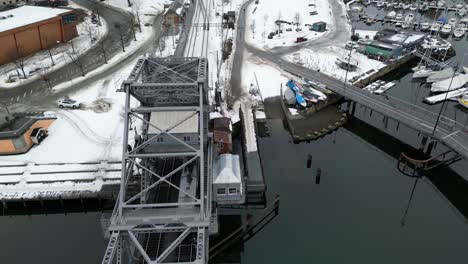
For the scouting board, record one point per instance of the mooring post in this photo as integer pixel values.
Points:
(423, 143)
(429, 148)
(277, 201)
(5, 206)
(309, 161)
(63, 205)
(354, 108)
(317, 177)
(398, 126)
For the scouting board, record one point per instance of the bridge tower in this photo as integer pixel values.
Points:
(163, 211)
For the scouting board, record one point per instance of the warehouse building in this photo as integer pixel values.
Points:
(28, 29)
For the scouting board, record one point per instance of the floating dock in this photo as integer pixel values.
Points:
(445, 96)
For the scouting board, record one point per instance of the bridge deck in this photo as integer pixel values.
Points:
(449, 132)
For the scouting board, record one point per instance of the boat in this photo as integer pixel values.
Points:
(450, 84)
(294, 87)
(384, 88)
(373, 86)
(409, 18)
(433, 3)
(405, 25)
(465, 69)
(380, 4)
(398, 24)
(463, 101)
(399, 16)
(422, 73)
(423, 8)
(461, 12)
(390, 15)
(446, 30)
(440, 75)
(463, 23)
(459, 6)
(389, 4)
(452, 21)
(458, 33)
(434, 99)
(440, 3)
(425, 27)
(435, 27)
(413, 7)
(401, 5)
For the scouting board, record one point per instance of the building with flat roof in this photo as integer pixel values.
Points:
(16, 134)
(28, 29)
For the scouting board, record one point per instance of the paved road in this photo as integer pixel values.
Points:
(42, 98)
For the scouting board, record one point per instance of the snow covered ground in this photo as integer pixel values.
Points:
(39, 63)
(261, 21)
(324, 60)
(146, 10)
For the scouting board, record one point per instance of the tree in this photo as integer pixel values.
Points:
(49, 47)
(75, 58)
(20, 60)
(252, 27)
(102, 46)
(137, 12)
(90, 30)
(297, 19)
(279, 18)
(119, 29)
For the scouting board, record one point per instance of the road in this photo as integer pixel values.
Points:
(37, 95)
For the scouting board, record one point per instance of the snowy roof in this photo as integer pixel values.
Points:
(176, 7)
(226, 169)
(402, 38)
(167, 120)
(26, 15)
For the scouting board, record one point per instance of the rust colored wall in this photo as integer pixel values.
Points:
(8, 48)
(50, 34)
(27, 41)
(6, 146)
(69, 31)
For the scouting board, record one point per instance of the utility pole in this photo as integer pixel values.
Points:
(445, 100)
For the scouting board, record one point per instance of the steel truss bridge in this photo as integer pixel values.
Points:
(167, 219)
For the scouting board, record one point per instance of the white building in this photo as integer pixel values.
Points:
(227, 180)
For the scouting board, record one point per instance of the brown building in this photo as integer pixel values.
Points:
(222, 134)
(20, 133)
(28, 29)
(174, 14)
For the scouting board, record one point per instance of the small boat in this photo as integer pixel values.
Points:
(423, 8)
(450, 84)
(399, 24)
(380, 4)
(461, 12)
(435, 27)
(390, 15)
(399, 16)
(446, 30)
(389, 4)
(422, 73)
(405, 25)
(413, 7)
(463, 23)
(459, 6)
(370, 20)
(463, 101)
(297, 93)
(409, 18)
(406, 6)
(401, 5)
(384, 88)
(453, 21)
(458, 32)
(433, 3)
(425, 27)
(440, 3)
(437, 76)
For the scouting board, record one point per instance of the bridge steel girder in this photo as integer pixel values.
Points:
(138, 216)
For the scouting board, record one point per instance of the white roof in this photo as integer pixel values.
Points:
(406, 38)
(167, 120)
(26, 15)
(226, 169)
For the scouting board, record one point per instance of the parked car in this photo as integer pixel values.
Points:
(301, 39)
(69, 103)
(271, 35)
(313, 13)
(351, 45)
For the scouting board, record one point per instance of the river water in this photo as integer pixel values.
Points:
(355, 215)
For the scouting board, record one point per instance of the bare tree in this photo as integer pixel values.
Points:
(278, 19)
(252, 27)
(49, 47)
(20, 60)
(137, 12)
(90, 30)
(297, 19)
(119, 28)
(102, 46)
(75, 58)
